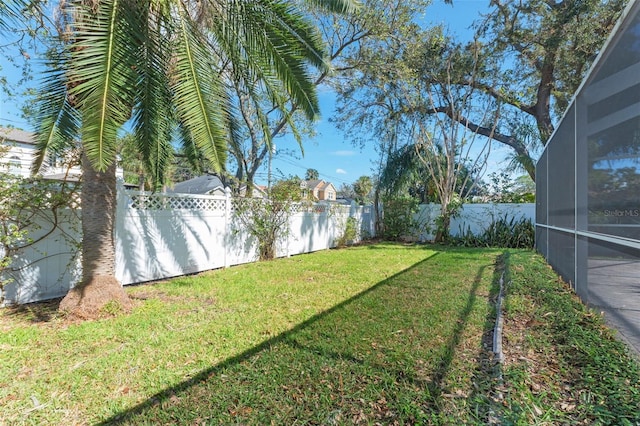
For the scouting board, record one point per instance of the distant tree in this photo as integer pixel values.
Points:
(502, 188)
(311, 174)
(346, 191)
(530, 57)
(362, 187)
(132, 162)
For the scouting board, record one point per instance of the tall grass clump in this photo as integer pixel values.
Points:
(503, 232)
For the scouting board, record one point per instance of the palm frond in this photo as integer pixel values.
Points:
(57, 121)
(102, 75)
(190, 151)
(290, 44)
(399, 169)
(12, 11)
(196, 89)
(337, 6)
(277, 44)
(153, 116)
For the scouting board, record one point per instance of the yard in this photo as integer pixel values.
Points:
(385, 333)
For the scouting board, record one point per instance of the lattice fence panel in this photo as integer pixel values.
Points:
(164, 202)
(310, 208)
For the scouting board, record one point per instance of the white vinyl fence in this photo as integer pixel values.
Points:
(472, 217)
(166, 235)
(160, 236)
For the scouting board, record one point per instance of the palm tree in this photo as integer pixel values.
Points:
(362, 187)
(159, 65)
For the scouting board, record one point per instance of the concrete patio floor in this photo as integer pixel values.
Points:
(614, 289)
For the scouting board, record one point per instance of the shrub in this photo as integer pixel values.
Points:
(29, 206)
(349, 233)
(398, 218)
(503, 232)
(268, 220)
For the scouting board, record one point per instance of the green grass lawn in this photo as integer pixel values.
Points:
(386, 333)
(564, 366)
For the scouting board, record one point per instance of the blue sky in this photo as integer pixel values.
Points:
(329, 151)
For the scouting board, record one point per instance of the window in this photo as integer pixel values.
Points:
(15, 165)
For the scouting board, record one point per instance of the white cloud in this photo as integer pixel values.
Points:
(343, 153)
(341, 171)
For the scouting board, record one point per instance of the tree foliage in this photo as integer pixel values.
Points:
(537, 54)
(410, 90)
(160, 65)
(362, 188)
(312, 174)
(528, 59)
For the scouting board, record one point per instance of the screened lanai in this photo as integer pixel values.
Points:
(588, 184)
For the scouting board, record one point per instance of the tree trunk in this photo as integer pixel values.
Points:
(99, 292)
(442, 232)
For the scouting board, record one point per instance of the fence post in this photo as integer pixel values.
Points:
(227, 224)
(123, 202)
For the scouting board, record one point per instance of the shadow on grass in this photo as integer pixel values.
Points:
(385, 354)
(485, 396)
(37, 312)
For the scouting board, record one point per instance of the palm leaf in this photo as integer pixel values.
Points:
(153, 112)
(102, 75)
(275, 43)
(337, 6)
(288, 43)
(11, 11)
(196, 90)
(57, 121)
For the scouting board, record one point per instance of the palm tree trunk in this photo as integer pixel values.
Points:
(99, 285)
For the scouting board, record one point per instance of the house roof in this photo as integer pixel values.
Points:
(16, 135)
(199, 185)
(329, 184)
(318, 184)
(313, 184)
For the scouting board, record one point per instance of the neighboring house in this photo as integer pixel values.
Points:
(18, 158)
(208, 184)
(346, 201)
(318, 190)
(259, 191)
(211, 184)
(21, 154)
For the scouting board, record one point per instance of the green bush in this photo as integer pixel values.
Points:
(398, 216)
(349, 234)
(503, 232)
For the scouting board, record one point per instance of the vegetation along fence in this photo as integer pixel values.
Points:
(160, 236)
(166, 235)
(472, 218)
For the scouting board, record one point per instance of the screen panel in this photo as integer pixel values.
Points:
(562, 254)
(561, 173)
(541, 189)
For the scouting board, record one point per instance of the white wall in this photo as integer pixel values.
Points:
(473, 217)
(46, 269)
(163, 236)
